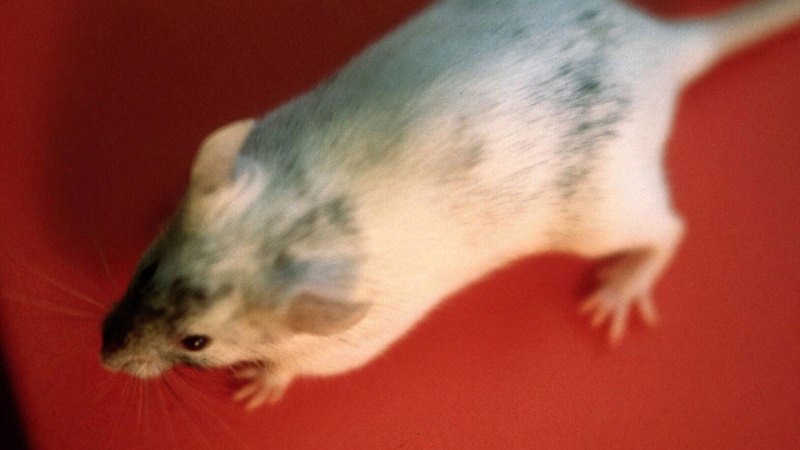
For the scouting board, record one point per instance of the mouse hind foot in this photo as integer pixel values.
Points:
(627, 282)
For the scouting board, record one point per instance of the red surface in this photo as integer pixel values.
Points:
(103, 105)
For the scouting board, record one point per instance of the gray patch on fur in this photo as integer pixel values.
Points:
(315, 251)
(588, 15)
(332, 217)
(591, 104)
(151, 307)
(461, 156)
(360, 117)
(270, 143)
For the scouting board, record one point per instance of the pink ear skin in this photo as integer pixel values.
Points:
(314, 314)
(213, 166)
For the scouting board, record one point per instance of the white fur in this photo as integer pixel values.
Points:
(425, 240)
(430, 223)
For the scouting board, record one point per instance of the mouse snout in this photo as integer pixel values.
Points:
(116, 328)
(111, 344)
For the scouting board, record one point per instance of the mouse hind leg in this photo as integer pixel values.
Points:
(628, 280)
(634, 222)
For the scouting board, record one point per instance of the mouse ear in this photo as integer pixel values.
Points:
(213, 167)
(314, 314)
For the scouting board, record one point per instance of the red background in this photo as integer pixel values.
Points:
(103, 106)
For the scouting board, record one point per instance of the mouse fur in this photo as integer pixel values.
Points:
(479, 132)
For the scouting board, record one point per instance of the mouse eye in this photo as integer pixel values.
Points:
(195, 342)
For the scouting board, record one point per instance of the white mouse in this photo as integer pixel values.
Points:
(479, 132)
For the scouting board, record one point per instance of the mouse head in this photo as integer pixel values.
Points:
(244, 268)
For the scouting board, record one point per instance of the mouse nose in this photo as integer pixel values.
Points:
(115, 333)
(111, 346)
(113, 341)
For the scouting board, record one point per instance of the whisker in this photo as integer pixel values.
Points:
(167, 415)
(148, 422)
(123, 400)
(104, 390)
(48, 307)
(180, 398)
(102, 254)
(211, 413)
(140, 388)
(98, 403)
(62, 286)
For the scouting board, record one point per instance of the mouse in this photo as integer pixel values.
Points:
(311, 239)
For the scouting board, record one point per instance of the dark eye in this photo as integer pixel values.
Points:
(195, 343)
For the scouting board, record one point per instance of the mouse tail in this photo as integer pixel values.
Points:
(711, 39)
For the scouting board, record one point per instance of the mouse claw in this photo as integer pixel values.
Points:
(265, 394)
(246, 391)
(647, 310)
(264, 385)
(247, 373)
(619, 323)
(626, 283)
(610, 306)
(597, 307)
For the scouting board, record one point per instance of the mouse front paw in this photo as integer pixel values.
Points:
(262, 383)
